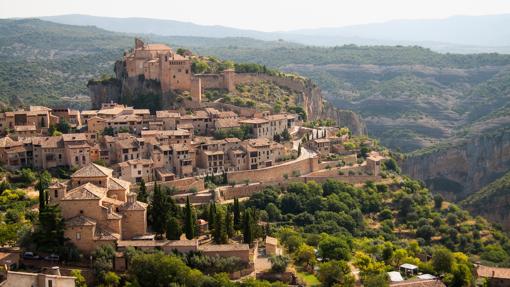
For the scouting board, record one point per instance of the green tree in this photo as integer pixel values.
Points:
(49, 233)
(80, 280)
(173, 230)
(248, 231)
(279, 263)
(220, 233)
(189, 224)
(462, 276)
(163, 270)
(212, 215)
(438, 201)
(111, 279)
(376, 280)
(237, 214)
(43, 182)
(305, 257)
(335, 273)
(334, 248)
(442, 260)
(229, 223)
(299, 150)
(159, 210)
(142, 192)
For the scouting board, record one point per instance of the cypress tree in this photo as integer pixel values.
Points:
(247, 227)
(237, 214)
(220, 233)
(189, 225)
(43, 182)
(173, 230)
(142, 193)
(299, 149)
(212, 214)
(229, 223)
(159, 210)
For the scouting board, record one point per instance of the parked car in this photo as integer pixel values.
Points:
(52, 257)
(31, 256)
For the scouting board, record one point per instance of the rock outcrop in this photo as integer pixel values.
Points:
(459, 170)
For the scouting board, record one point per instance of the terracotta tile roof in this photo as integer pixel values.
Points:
(227, 114)
(93, 170)
(80, 220)
(226, 123)
(254, 121)
(493, 272)
(155, 47)
(8, 142)
(277, 117)
(105, 235)
(232, 140)
(128, 143)
(74, 137)
(126, 118)
(52, 142)
(167, 114)
(118, 184)
(108, 201)
(135, 205)
(86, 191)
(88, 112)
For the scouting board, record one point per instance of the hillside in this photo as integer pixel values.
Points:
(497, 196)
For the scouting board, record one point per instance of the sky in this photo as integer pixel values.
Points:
(263, 15)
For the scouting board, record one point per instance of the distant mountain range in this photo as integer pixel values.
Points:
(458, 34)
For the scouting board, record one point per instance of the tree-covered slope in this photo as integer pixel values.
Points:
(492, 202)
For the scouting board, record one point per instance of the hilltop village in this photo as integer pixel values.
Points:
(231, 190)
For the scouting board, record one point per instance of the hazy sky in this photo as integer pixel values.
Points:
(266, 15)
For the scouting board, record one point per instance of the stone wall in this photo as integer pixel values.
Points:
(277, 172)
(183, 185)
(352, 179)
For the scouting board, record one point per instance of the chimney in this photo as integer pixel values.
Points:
(131, 197)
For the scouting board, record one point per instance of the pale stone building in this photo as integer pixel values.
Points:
(98, 208)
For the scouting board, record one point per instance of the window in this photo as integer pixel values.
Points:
(78, 235)
(50, 283)
(56, 193)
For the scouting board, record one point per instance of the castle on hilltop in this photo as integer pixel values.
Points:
(159, 62)
(174, 71)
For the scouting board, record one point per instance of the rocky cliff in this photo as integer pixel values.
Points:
(459, 169)
(497, 196)
(134, 91)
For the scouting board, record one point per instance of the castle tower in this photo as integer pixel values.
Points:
(196, 90)
(229, 79)
(139, 43)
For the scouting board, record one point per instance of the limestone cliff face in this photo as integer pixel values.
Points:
(318, 108)
(136, 91)
(462, 169)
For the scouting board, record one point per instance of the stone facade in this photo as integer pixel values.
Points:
(98, 209)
